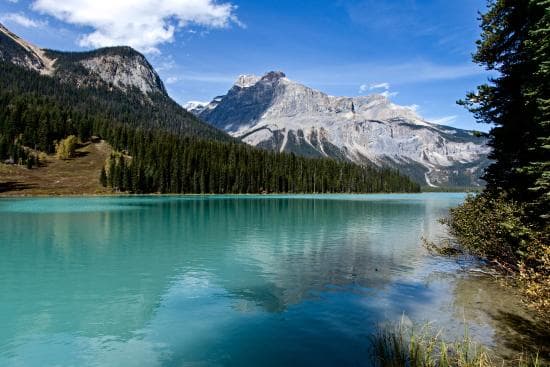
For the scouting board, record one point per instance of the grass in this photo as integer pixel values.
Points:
(74, 176)
(403, 346)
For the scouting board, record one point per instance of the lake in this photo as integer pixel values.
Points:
(228, 280)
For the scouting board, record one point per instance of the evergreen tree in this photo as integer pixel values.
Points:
(30, 161)
(538, 94)
(515, 43)
(103, 177)
(508, 224)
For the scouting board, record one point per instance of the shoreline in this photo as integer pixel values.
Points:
(195, 195)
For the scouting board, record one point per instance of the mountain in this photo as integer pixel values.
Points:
(195, 106)
(117, 81)
(276, 113)
(113, 67)
(19, 52)
(50, 98)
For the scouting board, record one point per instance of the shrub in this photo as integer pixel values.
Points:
(497, 229)
(66, 148)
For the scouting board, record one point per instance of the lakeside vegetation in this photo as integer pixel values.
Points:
(508, 224)
(399, 345)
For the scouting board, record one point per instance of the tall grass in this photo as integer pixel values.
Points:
(403, 346)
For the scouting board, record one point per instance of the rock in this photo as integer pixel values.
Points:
(274, 112)
(116, 67)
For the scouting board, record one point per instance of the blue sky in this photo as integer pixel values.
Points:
(416, 52)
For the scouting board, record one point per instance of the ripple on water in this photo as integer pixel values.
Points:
(227, 280)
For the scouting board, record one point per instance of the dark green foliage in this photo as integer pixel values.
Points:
(491, 228)
(133, 108)
(166, 163)
(515, 42)
(495, 228)
(164, 149)
(103, 177)
(30, 162)
(538, 94)
(509, 223)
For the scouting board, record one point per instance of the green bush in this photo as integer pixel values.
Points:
(498, 230)
(489, 228)
(66, 148)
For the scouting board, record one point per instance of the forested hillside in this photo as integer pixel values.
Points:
(162, 147)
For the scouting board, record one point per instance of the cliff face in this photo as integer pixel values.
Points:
(115, 79)
(19, 52)
(116, 67)
(276, 113)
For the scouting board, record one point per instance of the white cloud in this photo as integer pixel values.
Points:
(413, 107)
(172, 80)
(389, 94)
(444, 120)
(142, 24)
(13, 1)
(363, 88)
(418, 71)
(22, 20)
(385, 86)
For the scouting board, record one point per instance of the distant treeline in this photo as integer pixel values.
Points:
(162, 162)
(36, 111)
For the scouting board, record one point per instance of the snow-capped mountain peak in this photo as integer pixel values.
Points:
(195, 105)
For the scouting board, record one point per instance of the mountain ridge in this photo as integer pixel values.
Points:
(276, 113)
(157, 145)
(20, 52)
(119, 81)
(118, 67)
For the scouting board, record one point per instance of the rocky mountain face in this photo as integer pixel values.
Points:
(19, 52)
(276, 113)
(115, 67)
(117, 82)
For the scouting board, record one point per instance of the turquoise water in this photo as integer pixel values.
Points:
(217, 280)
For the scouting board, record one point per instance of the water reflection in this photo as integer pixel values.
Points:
(493, 306)
(214, 280)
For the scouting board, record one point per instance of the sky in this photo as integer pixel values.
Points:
(416, 52)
